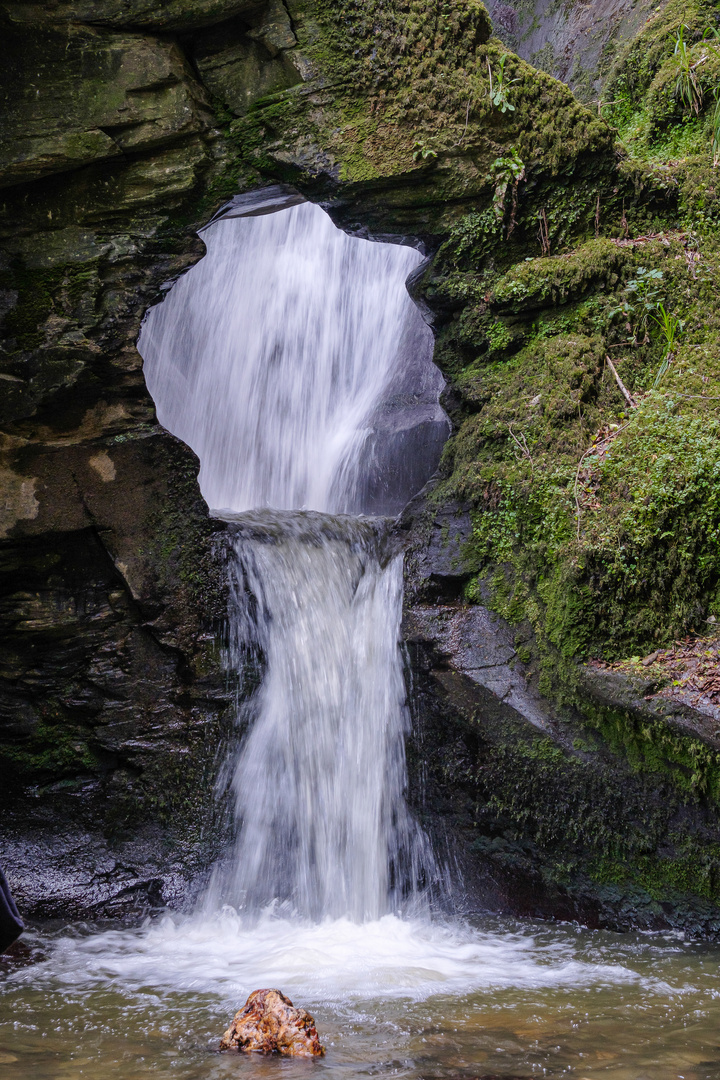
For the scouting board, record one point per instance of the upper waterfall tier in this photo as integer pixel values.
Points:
(292, 360)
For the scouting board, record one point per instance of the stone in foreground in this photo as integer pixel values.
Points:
(268, 1023)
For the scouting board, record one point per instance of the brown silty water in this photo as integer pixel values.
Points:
(392, 998)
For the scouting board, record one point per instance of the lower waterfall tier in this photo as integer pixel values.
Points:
(319, 778)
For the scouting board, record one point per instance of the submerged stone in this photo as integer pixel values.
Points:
(268, 1023)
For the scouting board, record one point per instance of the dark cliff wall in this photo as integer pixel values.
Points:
(570, 39)
(126, 126)
(114, 702)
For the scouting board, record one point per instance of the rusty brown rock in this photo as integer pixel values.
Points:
(268, 1023)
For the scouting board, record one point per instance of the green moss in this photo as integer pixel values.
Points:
(642, 58)
(604, 519)
(57, 750)
(544, 282)
(42, 293)
(35, 289)
(643, 96)
(417, 74)
(651, 745)
(592, 824)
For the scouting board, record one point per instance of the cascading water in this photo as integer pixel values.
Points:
(319, 781)
(274, 358)
(282, 358)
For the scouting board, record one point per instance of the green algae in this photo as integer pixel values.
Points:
(627, 809)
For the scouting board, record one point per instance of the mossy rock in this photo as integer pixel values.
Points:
(673, 97)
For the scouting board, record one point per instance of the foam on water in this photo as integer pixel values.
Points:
(333, 960)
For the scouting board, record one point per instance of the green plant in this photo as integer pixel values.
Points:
(687, 88)
(421, 152)
(498, 336)
(503, 172)
(642, 299)
(476, 230)
(499, 86)
(670, 328)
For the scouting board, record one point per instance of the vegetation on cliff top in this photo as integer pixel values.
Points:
(585, 354)
(420, 91)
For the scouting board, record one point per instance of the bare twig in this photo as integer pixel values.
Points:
(544, 234)
(626, 393)
(578, 508)
(522, 446)
(663, 237)
(467, 121)
(598, 448)
(513, 210)
(597, 218)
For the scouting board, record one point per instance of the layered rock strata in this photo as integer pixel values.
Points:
(127, 126)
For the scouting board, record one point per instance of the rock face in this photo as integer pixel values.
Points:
(574, 41)
(268, 1023)
(114, 704)
(603, 811)
(127, 124)
(553, 552)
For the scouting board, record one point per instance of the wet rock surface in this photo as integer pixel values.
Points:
(574, 41)
(113, 701)
(601, 810)
(113, 696)
(481, 647)
(269, 1023)
(126, 128)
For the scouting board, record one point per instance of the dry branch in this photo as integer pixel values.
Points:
(626, 393)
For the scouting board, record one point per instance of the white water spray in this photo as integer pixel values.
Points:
(273, 357)
(320, 781)
(284, 359)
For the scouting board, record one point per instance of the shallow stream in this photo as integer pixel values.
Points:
(390, 998)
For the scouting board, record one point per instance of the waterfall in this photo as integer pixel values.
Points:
(294, 363)
(320, 779)
(282, 358)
